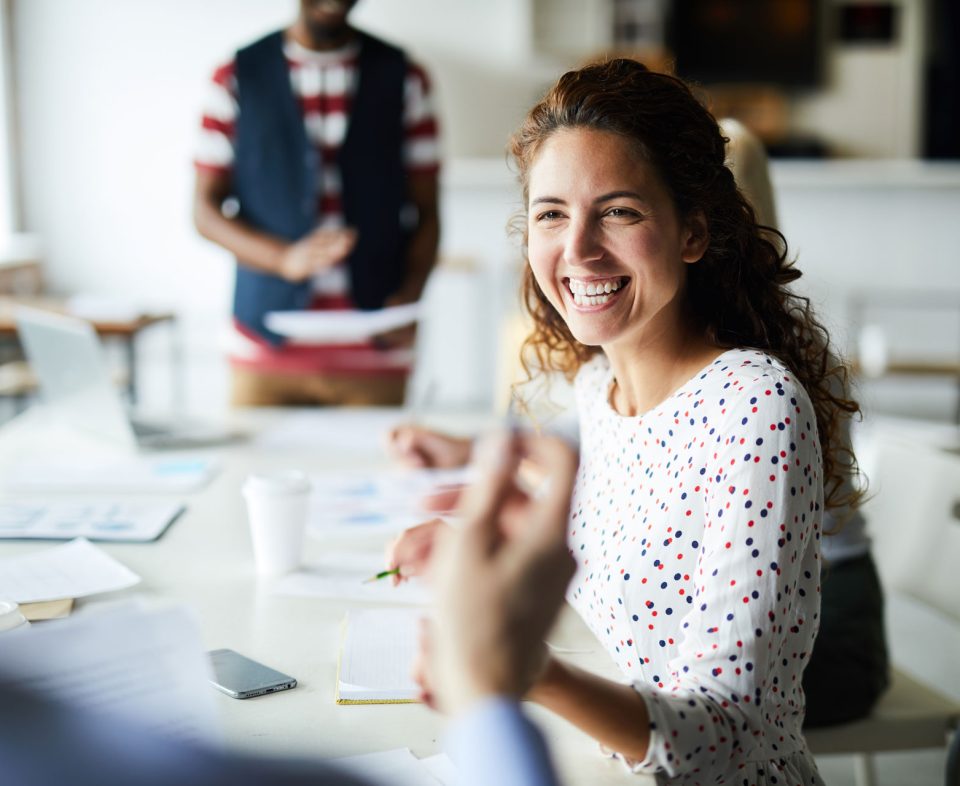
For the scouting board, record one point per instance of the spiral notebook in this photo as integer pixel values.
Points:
(377, 652)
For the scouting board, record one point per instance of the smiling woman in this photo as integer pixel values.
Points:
(710, 436)
(601, 219)
(711, 414)
(647, 187)
(708, 429)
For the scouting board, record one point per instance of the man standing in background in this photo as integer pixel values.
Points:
(317, 168)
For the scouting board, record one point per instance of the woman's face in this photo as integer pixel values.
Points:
(605, 242)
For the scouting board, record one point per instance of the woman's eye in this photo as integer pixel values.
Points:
(549, 215)
(622, 212)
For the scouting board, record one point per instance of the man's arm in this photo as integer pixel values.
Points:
(494, 742)
(264, 252)
(422, 253)
(257, 249)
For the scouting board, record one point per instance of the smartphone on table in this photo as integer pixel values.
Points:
(242, 677)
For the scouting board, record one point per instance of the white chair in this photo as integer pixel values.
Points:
(912, 513)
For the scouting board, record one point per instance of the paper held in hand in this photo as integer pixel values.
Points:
(340, 327)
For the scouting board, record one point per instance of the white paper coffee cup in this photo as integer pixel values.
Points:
(11, 617)
(277, 510)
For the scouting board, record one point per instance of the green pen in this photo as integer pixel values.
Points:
(382, 575)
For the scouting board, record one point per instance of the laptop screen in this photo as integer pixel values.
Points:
(66, 355)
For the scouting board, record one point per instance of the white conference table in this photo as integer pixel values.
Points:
(204, 560)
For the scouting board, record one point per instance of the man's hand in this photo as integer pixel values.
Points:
(499, 581)
(401, 337)
(320, 250)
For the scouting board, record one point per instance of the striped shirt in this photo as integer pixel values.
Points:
(323, 84)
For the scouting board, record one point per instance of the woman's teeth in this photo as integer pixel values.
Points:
(592, 293)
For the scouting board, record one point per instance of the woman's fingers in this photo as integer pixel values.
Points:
(410, 552)
(443, 499)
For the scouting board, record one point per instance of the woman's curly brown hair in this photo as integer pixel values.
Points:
(739, 290)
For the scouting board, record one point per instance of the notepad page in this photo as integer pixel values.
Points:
(379, 648)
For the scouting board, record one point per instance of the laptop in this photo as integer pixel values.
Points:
(67, 358)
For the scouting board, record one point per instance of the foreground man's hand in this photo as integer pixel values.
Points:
(500, 580)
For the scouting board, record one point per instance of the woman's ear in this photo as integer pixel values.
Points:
(696, 237)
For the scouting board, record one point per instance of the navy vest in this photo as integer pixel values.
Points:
(276, 176)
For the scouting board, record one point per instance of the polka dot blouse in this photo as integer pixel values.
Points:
(696, 529)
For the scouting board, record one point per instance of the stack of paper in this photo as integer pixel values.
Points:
(377, 656)
(73, 570)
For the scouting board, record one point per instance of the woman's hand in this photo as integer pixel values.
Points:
(414, 446)
(410, 552)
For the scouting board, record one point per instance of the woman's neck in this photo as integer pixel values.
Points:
(646, 374)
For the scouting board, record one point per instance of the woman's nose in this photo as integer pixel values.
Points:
(582, 243)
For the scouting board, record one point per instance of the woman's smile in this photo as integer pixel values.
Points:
(594, 293)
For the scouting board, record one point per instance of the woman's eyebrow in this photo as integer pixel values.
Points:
(551, 200)
(620, 195)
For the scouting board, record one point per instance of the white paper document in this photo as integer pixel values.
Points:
(93, 519)
(98, 473)
(353, 431)
(145, 665)
(385, 501)
(377, 656)
(72, 570)
(442, 768)
(343, 576)
(397, 767)
(340, 327)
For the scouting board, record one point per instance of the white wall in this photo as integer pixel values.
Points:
(109, 98)
(109, 101)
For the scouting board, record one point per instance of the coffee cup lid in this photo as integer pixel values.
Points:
(279, 482)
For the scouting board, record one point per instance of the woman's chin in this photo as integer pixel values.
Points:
(588, 337)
